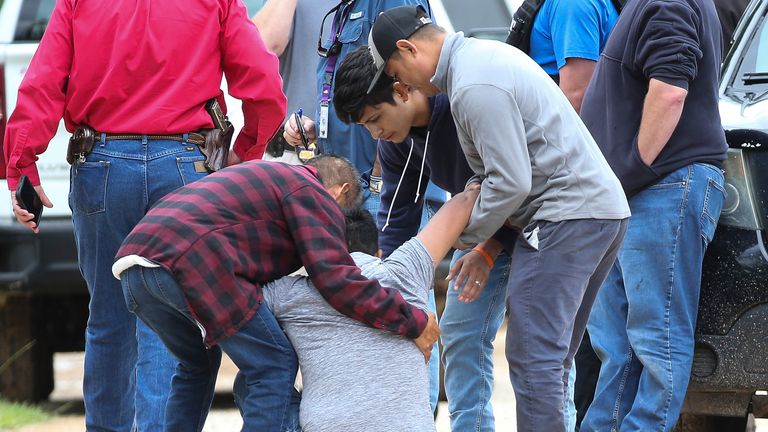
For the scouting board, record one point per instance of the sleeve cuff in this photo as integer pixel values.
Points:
(419, 323)
(15, 174)
(507, 237)
(674, 81)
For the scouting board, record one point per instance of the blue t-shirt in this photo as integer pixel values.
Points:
(570, 28)
(353, 141)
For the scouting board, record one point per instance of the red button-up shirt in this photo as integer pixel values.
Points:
(143, 67)
(224, 236)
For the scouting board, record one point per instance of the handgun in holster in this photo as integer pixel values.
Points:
(218, 139)
(80, 144)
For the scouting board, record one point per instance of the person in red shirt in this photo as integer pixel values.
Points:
(197, 263)
(144, 69)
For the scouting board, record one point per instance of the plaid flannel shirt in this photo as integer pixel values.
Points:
(226, 235)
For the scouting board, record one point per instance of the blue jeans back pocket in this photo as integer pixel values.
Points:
(191, 168)
(89, 187)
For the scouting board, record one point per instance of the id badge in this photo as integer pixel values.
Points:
(323, 121)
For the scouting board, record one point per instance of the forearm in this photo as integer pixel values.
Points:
(496, 204)
(492, 247)
(661, 113)
(274, 21)
(447, 224)
(317, 228)
(574, 78)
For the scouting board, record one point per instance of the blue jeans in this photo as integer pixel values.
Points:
(371, 203)
(265, 358)
(127, 369)
(468, 331)
(643, 321)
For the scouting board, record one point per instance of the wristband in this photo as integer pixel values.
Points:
(485, 255)
(375, 184)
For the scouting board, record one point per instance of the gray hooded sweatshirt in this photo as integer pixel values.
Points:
(523, 139)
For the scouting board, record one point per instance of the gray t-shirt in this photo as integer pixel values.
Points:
(298, 62)
(358, 378)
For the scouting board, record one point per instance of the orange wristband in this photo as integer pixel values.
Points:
(485, 255)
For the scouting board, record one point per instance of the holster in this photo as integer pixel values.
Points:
(276, 146)
(80, 144)
(216, 147)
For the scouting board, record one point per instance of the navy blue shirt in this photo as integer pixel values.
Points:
(675, 41)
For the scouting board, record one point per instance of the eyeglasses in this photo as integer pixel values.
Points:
(340, 11)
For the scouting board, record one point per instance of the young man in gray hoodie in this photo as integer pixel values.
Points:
(541, 172)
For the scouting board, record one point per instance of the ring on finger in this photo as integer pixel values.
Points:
(477, 281)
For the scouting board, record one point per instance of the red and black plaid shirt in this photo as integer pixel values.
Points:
(226, 235)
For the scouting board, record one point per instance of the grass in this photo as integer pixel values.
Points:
(13, 415)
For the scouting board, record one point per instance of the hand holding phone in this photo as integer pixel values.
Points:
(28, 199)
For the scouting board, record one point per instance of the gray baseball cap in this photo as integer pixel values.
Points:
(390, 26)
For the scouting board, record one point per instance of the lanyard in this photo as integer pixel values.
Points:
(332, 54)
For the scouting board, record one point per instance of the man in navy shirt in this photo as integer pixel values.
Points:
(652, 108)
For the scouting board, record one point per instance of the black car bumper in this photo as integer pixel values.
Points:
(40, 263)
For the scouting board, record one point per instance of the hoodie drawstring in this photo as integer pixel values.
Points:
(397, 189)
(421, 171)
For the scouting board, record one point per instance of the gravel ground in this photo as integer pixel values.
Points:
(67, 396)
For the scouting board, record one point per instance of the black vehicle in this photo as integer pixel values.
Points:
(730, 367)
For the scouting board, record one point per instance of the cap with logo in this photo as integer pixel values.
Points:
(390, 26)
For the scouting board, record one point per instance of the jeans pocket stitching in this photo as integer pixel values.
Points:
(186, 161)
(102, 180)
(672, 185)
(707, 221)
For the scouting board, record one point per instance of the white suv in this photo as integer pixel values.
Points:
(43, 298)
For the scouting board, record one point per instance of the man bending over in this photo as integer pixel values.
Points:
(358, 378)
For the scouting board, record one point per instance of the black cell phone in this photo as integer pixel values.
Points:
(28, 199)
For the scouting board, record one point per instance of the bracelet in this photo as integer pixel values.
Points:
(485, 255)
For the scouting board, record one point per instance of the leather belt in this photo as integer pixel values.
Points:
(193, 137)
